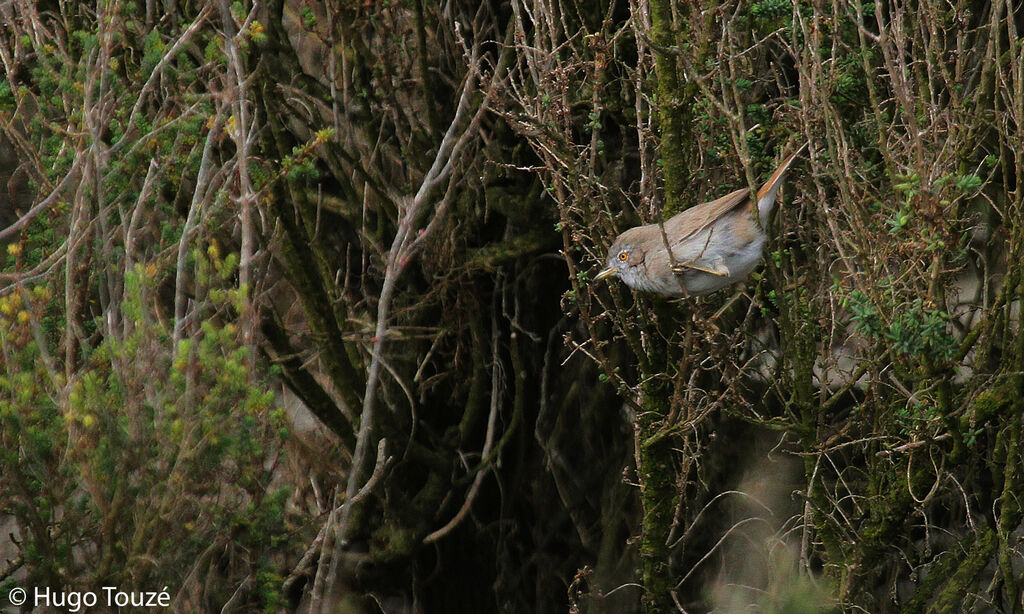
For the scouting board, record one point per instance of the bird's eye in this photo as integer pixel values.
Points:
(623, 256)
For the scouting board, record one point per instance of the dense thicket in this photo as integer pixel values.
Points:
(296, 308)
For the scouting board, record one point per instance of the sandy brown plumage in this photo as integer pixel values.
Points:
(701, 250)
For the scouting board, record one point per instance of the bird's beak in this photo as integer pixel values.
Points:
(605, 273)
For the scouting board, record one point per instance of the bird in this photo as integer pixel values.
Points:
(703, 249)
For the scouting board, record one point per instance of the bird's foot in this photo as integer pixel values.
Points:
(715, 267)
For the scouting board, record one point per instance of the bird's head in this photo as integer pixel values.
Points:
(626, 259)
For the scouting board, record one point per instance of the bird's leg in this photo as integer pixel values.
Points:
(717, 267)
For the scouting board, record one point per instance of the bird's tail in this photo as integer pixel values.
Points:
(766, 195)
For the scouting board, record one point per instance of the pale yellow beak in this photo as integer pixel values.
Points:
(605, 273)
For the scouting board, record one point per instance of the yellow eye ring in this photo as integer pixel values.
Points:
(623, 256)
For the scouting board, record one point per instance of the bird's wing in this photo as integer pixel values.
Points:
(684, 224)
(694, 219)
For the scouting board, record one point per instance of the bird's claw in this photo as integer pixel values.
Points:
(717, 269)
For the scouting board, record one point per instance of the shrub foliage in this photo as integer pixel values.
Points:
(224, 218)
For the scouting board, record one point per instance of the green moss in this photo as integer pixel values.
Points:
(657, 498)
